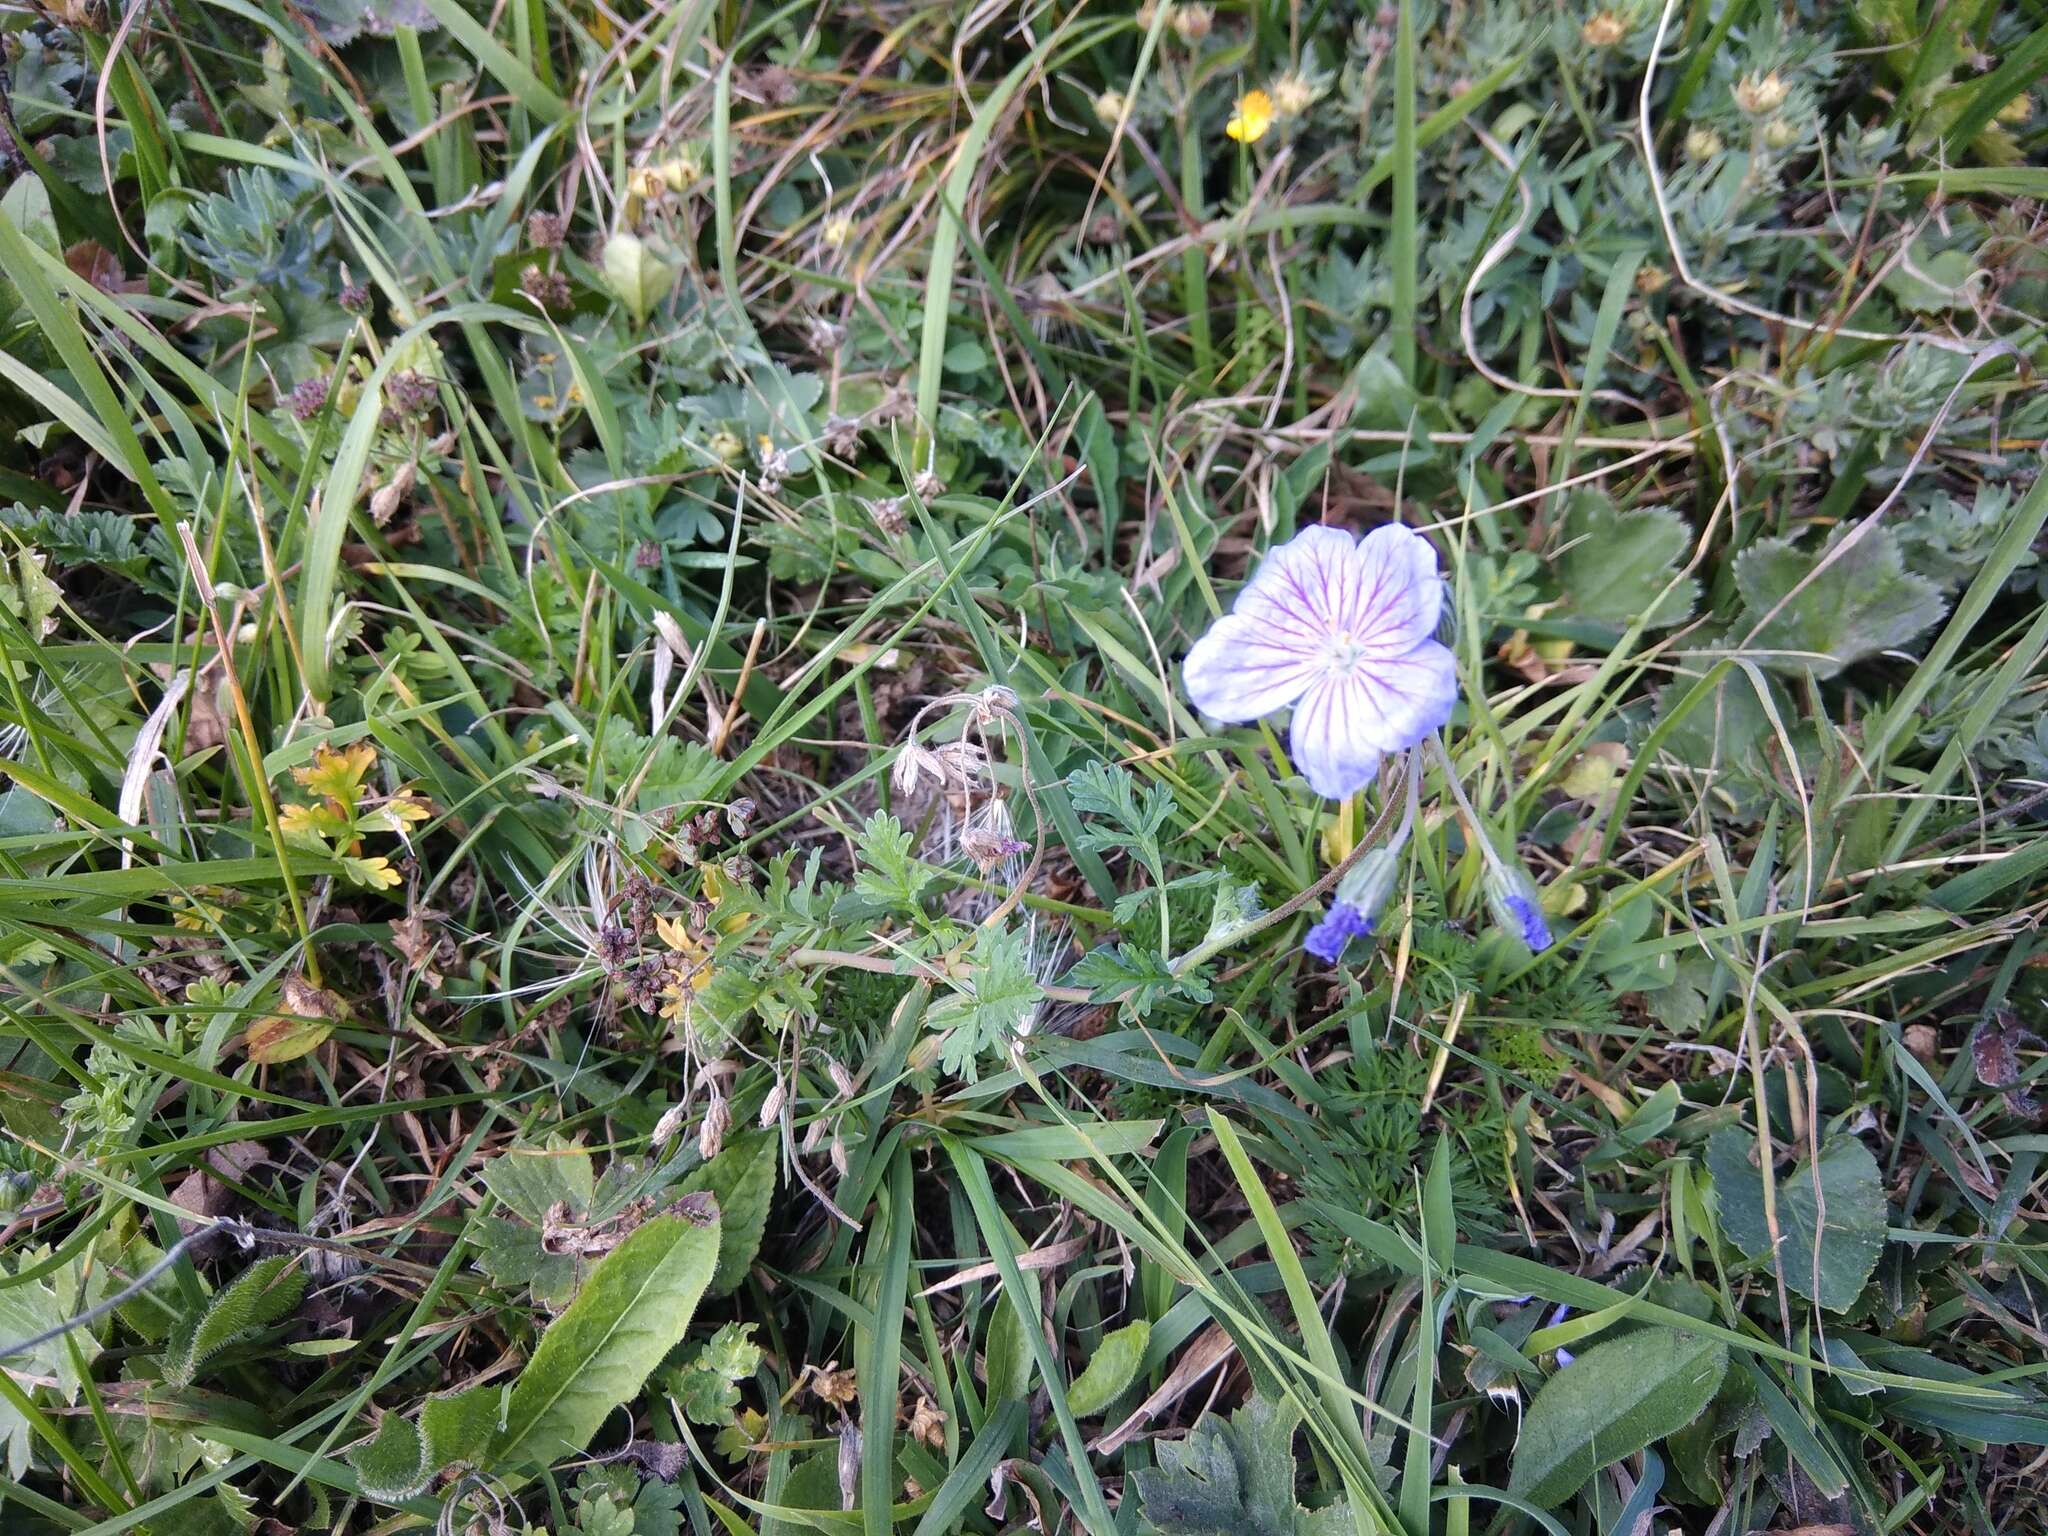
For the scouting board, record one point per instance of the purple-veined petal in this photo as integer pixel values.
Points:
(1303, 588)
(1242, 669)
(1404, 698)
(1394, 592)
(1329, 745)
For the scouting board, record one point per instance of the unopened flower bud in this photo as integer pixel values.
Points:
(1110, 107)
(1702, 144)
(1354, 911)
(1517, 905)
(1780, 133)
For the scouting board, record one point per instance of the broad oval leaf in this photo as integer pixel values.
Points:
(1829, 1236)
(1113, 1367)
(634, 1308)
(1612, 1401)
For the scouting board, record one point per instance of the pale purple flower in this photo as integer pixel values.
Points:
(1343, 630)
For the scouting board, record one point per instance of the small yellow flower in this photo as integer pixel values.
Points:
(2019, 110)
(1109, 108)
(837, 231)
(1253, 117)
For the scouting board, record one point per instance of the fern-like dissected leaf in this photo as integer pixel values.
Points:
(265, 1292)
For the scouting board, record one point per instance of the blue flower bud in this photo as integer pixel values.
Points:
(1344, 923)
(1512, 897)
(1355, 909)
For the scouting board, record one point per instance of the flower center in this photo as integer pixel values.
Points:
(1345, 654)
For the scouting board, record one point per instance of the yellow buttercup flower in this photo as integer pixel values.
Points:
(1253, 117)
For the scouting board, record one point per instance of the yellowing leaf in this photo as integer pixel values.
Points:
(1253, 117)
(338, 775)
(373, 874)
(281, 1038)
(311, 824)
(399, 813)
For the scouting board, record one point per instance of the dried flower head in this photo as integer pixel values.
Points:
(1192, 23)
(1761, 95)
(1603, 29)
(550, 290)
(307, 396)
(354, 298)
(1781, 133)
(1702, 143)
(1293, 94)
(928, 486)
(546, 230)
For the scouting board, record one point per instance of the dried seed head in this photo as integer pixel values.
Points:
(546, 230)
(307, 396)
(914, 763)
(670, 1122)
(840, 1161)
(841, 436)
(550, 290)
(994, 700)
(823, 336)
(887, 511)
(717, 1121)
(771, 1106)
(841, 1078)
(928, 486)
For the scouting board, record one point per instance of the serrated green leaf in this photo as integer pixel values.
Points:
(707, 1386)
(1828, 1261)
(1616, 1398)
(742, 1178)
(1863, 603)
(531, 1180)
(1232, 1477)
(264, 1292)
(1613, 563)
(1113, 1367)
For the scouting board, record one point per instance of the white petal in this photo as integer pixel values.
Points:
(1302, 588)
(1328, 742)
(1243, 669)
(1394, 592)
(1404, 698)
